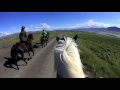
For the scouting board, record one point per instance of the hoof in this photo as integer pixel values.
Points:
(17, 68)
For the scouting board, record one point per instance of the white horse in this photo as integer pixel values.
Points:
(67, 59)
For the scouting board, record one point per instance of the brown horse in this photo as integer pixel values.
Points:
(21, 48)
(47, 37)
(44, 41)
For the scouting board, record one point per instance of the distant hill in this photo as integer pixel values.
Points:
(16, 34)
(116, 29)
(4, 34)
(101, 29)
(113, 29)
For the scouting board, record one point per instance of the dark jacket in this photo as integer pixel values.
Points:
(23, 36)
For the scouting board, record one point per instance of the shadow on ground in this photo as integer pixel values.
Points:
(36, 45)
(10, 62)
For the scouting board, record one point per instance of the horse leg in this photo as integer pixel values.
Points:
(42, 43)
(48, 38)
(22, 54)
(46, 42)
(15, 60)
(33, 53)
(31, 49)
(29, 54)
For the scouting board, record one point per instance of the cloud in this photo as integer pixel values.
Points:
(88, 24)
(40, 26)
(13, 27)
(27, 28)
(91, 21)
(3, 34)
(93, 24)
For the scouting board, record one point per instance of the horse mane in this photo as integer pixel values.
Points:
(30, 36)
(67, 59)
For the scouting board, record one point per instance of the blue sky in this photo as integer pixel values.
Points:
(11, 22)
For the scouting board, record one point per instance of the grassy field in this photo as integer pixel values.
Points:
(100, 54)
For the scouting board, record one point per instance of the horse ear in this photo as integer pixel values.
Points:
(75, 38)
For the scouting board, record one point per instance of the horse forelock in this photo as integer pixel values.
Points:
(68, 58)
(60, 37)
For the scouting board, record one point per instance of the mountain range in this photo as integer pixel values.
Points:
(101, 29)
(116, 29)
(15, 34)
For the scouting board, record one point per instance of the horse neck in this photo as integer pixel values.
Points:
(29, 40)
(71, 65)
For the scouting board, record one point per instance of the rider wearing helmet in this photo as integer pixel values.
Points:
(44, 33)
(23, 37)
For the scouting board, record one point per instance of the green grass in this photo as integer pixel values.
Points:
(100, 54)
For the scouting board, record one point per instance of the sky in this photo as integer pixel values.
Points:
(11, 22)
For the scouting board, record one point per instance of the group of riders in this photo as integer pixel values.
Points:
(23, 37)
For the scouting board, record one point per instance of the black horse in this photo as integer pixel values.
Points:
(21, 48)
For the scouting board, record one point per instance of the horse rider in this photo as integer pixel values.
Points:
(44, 33)
(23, 37)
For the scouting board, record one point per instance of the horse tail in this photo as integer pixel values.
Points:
(13, 53)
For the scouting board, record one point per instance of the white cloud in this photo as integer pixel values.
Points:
(13, 27)
(88, 24)
(31, 26)
(3, 34)
(117, 25)
(91, 20)
(26, 28)
(93, 24)
(40, 27)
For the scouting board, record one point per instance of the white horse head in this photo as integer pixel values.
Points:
(67, 59)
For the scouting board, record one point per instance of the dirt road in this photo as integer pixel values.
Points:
(40, 66)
